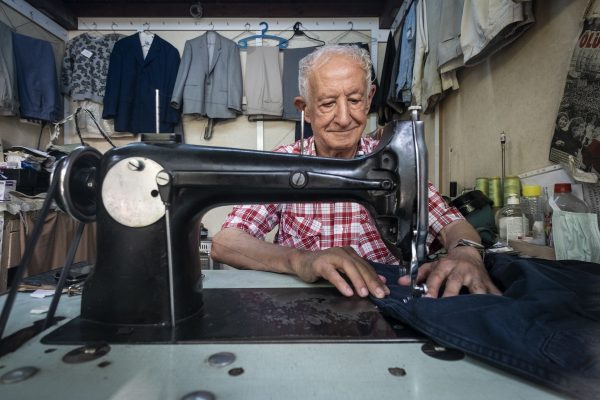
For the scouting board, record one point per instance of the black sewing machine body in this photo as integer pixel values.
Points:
(128, 190)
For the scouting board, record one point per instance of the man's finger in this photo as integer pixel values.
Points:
(333, 276)
(423, 273)
(478, 288)
(366, 275)
(435, 280)
(454, 283)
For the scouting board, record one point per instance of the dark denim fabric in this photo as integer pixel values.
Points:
(545, 326)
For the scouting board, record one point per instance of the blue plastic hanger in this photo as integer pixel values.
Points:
(243, 43)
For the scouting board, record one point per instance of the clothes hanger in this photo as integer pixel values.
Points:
(364, 37)
(146, 29)
(95, 30)
(247, 26)
(300, 32)
(243, 43)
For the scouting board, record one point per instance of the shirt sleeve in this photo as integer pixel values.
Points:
(256, 220)
(440, 214)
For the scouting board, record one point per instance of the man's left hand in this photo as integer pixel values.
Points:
(461, 267)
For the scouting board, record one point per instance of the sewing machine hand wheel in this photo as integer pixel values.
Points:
(77, 183)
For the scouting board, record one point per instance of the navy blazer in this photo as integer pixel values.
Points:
(131, 83)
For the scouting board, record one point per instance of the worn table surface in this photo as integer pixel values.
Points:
(260, 371)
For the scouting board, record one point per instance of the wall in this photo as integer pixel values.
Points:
(517, 91)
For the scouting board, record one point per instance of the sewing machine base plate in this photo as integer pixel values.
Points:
(257, 315)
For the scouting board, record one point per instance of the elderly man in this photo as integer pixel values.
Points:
(333, 241)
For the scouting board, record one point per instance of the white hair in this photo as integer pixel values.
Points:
(322, 54)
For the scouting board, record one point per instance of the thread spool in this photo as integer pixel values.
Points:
(483, 184)
(512, 187)
(495, 191)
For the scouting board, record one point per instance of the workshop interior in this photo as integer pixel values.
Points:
(130, 131)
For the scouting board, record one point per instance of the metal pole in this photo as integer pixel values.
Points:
(302, 133)
(157, 105)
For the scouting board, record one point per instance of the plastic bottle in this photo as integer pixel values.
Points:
(512, 224)
(532, 205)
(567, 201)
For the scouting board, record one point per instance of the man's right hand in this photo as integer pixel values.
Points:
(341, 266)
(335, 263)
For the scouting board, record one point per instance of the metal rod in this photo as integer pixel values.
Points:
(418, 245)
(170, 261)
(63, 275)
(302, 133)
(157, 105)
(30, 246)
(502, 146)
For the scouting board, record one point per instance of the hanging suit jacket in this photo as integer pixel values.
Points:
(214, 90)
(131, 83)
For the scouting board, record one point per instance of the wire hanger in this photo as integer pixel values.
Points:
(145, 28)
(95, 30)
(350, 31)
(300, 32)
(243, 43)
(247, 26)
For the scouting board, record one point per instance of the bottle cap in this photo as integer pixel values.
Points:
(532, 190)
(562, 188)
(512, 200)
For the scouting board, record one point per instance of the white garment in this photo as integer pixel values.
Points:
(87, 126)
(146, 39)
(421, 51)
(489, 25)
(450, 56)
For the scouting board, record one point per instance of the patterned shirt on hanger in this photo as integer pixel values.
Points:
(85, 66)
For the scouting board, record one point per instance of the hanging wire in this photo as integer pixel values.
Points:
(73, 116)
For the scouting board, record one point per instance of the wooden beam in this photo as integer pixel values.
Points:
(226, 9)
(57, 11)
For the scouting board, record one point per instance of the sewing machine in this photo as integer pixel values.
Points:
(148, 200)
(231, 334)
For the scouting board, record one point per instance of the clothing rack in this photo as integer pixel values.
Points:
(232, 24)
(278, 26)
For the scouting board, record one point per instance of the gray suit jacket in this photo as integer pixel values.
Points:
(214, 90)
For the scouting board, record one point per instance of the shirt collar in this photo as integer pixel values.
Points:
(311, 150)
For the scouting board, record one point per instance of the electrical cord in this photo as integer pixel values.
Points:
(106, 137)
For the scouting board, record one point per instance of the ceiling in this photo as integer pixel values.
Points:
(66, 12)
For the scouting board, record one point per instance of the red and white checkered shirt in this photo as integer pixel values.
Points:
(318, 226)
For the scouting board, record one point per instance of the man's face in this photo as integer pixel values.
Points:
(338, 106)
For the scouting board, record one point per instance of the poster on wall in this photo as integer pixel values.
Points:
(577, 127)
